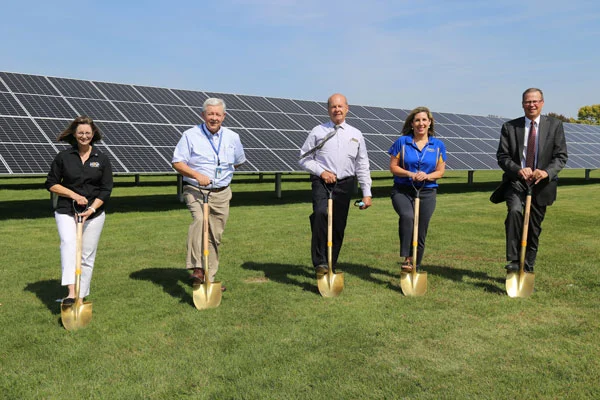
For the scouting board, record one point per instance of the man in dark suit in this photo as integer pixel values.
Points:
(532, 151)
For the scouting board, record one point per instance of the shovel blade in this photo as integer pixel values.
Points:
(207, 295)
(519, 284)
(74, 316)
(331, 284)
(413, 283)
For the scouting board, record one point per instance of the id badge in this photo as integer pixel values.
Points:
(218, 173)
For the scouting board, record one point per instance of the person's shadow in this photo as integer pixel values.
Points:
(172, 281)
(372, 274)
(48, 292)
(297, 275)
(287, 274)
(481, 279)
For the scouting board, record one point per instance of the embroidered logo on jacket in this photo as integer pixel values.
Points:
(95, 164)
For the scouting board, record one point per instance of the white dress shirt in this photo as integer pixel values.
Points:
(536, 122)
(345, 154)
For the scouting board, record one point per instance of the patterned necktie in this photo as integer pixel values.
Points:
(530, 156)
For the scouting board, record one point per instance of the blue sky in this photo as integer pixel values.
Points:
(473, 57)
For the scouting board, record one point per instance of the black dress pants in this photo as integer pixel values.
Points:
(513, 224)
(342, 193)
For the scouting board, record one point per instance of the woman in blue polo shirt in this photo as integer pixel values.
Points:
(417, 161)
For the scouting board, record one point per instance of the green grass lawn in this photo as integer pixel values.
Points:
(274, 336)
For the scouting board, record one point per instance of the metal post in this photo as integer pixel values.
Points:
(278, 185)
(137, 180)
(180, 188)
(470, 177)
(587, 174)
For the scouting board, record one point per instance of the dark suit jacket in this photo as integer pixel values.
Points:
(551, 157)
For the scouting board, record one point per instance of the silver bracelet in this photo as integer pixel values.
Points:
(93, 209)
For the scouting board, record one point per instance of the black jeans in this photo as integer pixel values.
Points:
(403, 200)
(342, 193)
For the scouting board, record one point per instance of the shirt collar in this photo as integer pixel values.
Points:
(528, 121)
(205, 130)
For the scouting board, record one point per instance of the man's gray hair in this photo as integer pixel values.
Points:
(213, 101)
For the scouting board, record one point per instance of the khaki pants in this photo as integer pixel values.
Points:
(218, 203)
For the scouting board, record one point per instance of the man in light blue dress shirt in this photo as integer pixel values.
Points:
(334, 160)
(206, 156)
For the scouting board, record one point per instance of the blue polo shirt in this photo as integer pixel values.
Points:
(412, 159)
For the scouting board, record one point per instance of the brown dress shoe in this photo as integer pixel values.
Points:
(223, 288)
(198, 275)
(407, 266)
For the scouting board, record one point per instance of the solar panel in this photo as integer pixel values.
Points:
(287, 106)
(280, 121)
(259, 103)
(119, 92)
(142, 125)
(312, 107)
(180, 115)
(307, 122)
(76, 88)
(20, 130)
(9, 105)
(159, 95)
(33, 84)
(97, 109)
(191, 98)
(139, 112)
(46, 106)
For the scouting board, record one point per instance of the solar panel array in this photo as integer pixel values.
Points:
(141, 126)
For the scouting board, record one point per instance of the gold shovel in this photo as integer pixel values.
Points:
(207, 294)
(79, 314)
(414, 283)
(520, 284)
(330, 284)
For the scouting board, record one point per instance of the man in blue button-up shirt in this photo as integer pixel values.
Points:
(207, 156)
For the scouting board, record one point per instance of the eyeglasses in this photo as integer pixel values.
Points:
(532, 102)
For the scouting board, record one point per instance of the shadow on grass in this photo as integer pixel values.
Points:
(172, 281)
(48, 291)
(482, 279)
(369, 274)
(297, 274)
(287, 274)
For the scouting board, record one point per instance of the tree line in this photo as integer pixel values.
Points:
(589, 115)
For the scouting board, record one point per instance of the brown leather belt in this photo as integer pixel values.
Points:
(217, 190)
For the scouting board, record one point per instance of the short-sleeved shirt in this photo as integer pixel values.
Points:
(412, 159)
(92, 179)
(211, 159)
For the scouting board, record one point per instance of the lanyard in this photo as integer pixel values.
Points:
(216, 150)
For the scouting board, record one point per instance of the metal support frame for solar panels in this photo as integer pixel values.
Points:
(278, 185)
(470, 177)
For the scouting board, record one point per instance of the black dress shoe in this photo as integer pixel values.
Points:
(321, 269)
(528, 269)
(68, 301)
(512, 266)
